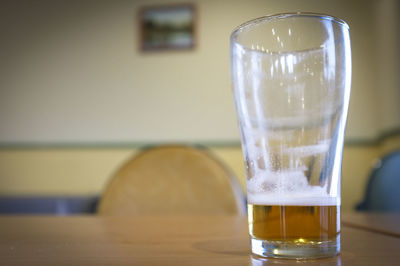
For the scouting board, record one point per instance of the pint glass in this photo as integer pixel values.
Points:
(291, 76)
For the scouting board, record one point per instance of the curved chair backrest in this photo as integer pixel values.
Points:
(172, 179)
(383, 189)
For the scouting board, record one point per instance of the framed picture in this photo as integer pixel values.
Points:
(167, 27)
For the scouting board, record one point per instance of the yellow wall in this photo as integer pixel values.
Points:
(86, 171)
(58, 171)
(389, 144)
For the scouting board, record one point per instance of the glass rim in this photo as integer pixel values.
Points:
(278, 16)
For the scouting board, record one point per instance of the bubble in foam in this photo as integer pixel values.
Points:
(282, 182)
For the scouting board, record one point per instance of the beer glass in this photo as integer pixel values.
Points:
(291, 76)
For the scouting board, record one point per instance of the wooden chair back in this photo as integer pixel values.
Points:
(172, 179)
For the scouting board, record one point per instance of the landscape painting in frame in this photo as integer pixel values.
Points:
(167, 27)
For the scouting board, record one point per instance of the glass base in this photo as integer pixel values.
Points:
(299, 249)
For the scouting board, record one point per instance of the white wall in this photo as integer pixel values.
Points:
(71, 71)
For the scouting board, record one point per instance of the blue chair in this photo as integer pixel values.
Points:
(383, 189)
(48, 205)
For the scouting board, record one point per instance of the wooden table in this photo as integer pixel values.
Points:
(163, 240)
(383, 223)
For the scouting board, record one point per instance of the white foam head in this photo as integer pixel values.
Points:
(271, 199)
(268, 185)
(287, 188)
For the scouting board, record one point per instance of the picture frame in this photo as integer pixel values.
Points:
(167, 27)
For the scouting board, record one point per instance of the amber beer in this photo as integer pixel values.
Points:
(286, 224)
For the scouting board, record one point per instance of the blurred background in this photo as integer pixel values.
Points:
(78, 97)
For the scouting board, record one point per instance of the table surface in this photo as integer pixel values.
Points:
(383, 223)
(163, 240)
